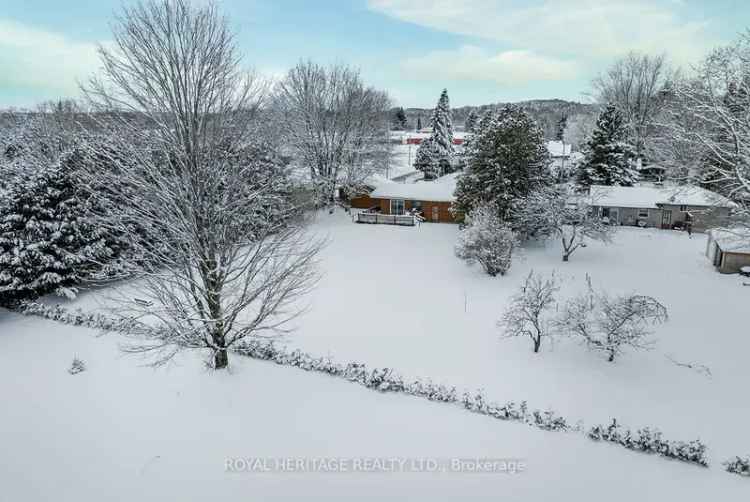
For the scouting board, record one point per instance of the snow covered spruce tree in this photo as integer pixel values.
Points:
(609, 159)
(557, 212)
(49, 242)
(226, 254)
(471, 121)
(487, 240)
(530, 311)
(435, 155)
(612, 324)
(506, 158)
(336, 125)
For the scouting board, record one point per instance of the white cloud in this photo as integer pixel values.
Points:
(473, 63)
(581, 29)
(43, 61)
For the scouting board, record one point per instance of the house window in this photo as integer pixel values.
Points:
(397, 206)
(643, 213)
(683, 208)
(416, 205)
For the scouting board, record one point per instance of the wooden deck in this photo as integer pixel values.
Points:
(387, 219)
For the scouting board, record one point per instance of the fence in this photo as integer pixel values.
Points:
(388, 219)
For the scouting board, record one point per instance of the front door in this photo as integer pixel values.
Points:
(435, 214)
(666, 218)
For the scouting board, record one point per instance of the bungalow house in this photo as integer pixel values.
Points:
(661, 207)
(432, 199)
(728, 250)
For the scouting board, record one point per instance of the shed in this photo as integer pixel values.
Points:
(728, 249)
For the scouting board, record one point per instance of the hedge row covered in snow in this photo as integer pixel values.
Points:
(387, 380)
(650, 441)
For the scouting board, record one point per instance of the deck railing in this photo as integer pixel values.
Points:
(388, 219)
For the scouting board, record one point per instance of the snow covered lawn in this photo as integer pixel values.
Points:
(392, 296)
(119, 431)
(398, 297)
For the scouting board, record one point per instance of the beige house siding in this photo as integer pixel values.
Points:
(703, 217)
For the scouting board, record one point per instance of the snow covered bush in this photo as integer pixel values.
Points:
(529, 311)
(558, 212)
(650, 440)
(487, 240)
(48, 241)
(611, 324)
(738, 465)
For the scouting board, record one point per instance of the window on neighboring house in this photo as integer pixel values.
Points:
(683, 208)
(416, 205)
(397, 206)
(643, 213)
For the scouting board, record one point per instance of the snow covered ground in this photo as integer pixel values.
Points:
(392, 296)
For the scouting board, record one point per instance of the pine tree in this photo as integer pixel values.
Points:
(471, 121)
(562, 124)
(435, 155)
(47, 241)
(442, 125)
(609, 158)
(399, 119)
(506, 159)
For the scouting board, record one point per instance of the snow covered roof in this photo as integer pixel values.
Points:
(410, 177)
(652, 196)
(736, 240)
(439, 190)
(558, 148)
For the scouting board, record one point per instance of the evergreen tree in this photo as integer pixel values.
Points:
(506, 159)
(609, 158)
(47, 241)
(442, 125)
(471, 121)
(435, 155)
(399, 119)
(562, 124)
(419, 122)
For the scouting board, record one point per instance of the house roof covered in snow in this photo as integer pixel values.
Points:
(558, 148)
(653, 196)
(732, 240)
(439, 190)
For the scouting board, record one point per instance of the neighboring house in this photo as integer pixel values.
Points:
(410, 177)
(661, 207)
(729, 249)
(432, 199)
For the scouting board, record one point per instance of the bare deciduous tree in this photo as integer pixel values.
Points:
(529, 311)
(611, 324)
(335, 123)
(556, 212)
(637, 85)
(223, 259)
(708, 124)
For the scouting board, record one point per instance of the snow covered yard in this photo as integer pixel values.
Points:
(398, 297)
(120, 431)
(392, 296)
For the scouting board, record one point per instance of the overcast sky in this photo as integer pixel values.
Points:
(483, 51)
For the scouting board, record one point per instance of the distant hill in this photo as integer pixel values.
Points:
(546, 112)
